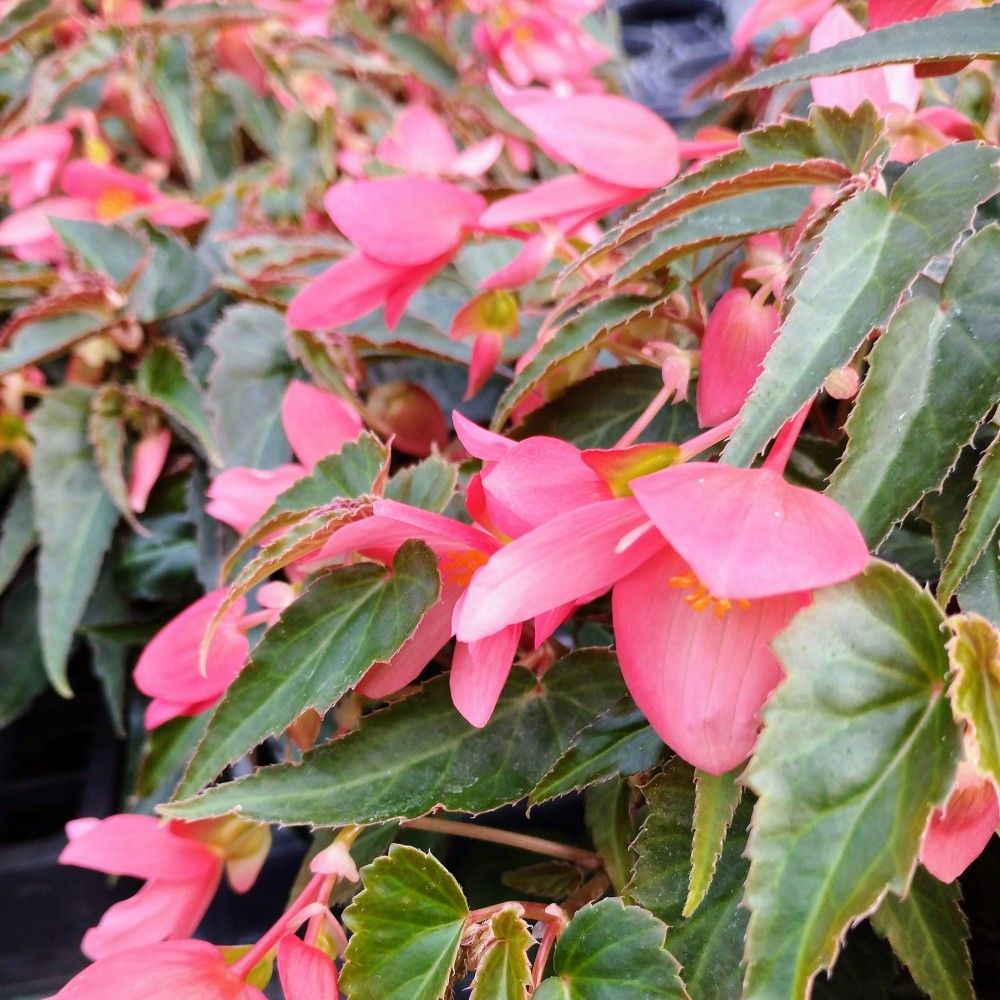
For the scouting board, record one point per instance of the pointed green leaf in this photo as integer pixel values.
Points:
(109, 249)
(504, 971)
(17, 533)
(974, 650)
(932, 360)
(174, 281)
(165, 380)
(859, 746)
(406, 926)
(966, 34)
(620, 741)
(608, 816)
(429, 484)
(175, 89)
(715, 800)
(422, 59)
(247, 384)
(49, 335)
(734, 218)
(320, 647)
(578, 335)
(549, 880)
(928, 933)
(364, 778)
(106, 431)
(22, 671)
(709, 943)
(869, 254)
(610, 951)
(979, 525)
(75, 521)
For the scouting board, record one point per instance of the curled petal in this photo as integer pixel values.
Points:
(348, 290)
(419, 143)
(316, 422)
(478, 672)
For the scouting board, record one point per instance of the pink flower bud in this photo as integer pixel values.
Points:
(411, 414)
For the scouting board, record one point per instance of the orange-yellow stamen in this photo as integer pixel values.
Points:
(114, 202)
(458, 567)
(700, 598)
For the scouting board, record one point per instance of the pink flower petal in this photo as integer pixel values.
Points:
(957, 835)
(747, 533)
(408, 282)
(85, 179)
(403, 221)
(148, 459)
(738, 336)
(168, 666)
(882, 13)
(419, 143)
(306, 973)
(177, 213)
(566, 558)
(547, 622)
(476, 159)
(172, 970)
(763, 14)
(480, 442)
(699, 679)
(527, 265)
(563, 200)
(479, 671)
(239, 496)
(317, 423)
(348, 290)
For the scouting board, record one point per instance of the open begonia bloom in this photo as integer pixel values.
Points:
(306, 973)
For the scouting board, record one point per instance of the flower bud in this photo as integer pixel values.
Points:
(410, 414)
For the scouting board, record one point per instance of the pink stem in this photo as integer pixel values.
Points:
(713, 435)
(646, 417)
(533, 911)
(316, 920)
(552, 930)
(777, 457)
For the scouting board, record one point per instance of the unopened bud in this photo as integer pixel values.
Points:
(411, 415)
(842, 383)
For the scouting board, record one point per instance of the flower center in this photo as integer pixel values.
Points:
(700, 599)
(114, 202)
(458, 567)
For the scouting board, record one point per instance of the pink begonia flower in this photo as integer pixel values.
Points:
(764, 14)
(488, 320)
(317, 424)
(739, 333)
(886, 87)
(698, 590)
(30, 160)
(137, 106)
(148, 458)
(306, 973)
(420, 143)
(957, 834)
(406, 229)
(96, 193)
(168, 669)
(882, 13)
(168, 970)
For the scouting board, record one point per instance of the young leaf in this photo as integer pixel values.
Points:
(974, 650)
(165, 380)
(610, 951)
(322, 645)
(715, 800)
(247, 384)
(618, 742)
(75, 521)
(504, 971)
(858, 747)
(932, 360)
(406, 926)
(578, 335)
(363, 778)
(609, 819)
(928, 933)
(979, 525)
(709, 943)
(17, 533)
(965, 34)
(869, 254)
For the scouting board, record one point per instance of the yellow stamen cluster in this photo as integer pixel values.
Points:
(115, 202)
(700, 598)
(458, 567)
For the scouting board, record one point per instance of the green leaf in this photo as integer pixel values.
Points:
(22, 670)
(709, 943)
(504, 972)
(715, 800)
(165, 380)
(176, 91)
(106, 431)
(974, 650)
(422, 59)
(161, 563)
(608, 816)
(580, 334)
(965, 34)
(610, 951)
(928, 933)
(429, 484)
(321, 646)
(202, 16)
(979, 525)
(406, 926)
(173, 282)
(247, 384)
(364, 778)
(17, 533)
(827, 148)
(51, 334)
(109, 249)
(870, 252)
(75, 520)
(618, 742)
(596, 412)
(733, 218)
(167, 750)
(932, 360)
(858, 747)
(545, 879)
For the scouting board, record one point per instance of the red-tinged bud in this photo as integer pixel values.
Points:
(410, 414)
(842, 383)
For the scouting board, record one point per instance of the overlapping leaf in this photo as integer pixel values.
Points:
(504, 972)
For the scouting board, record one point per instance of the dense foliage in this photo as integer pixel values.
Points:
(403, 425)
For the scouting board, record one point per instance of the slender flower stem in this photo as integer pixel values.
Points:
(703, 441)
(551, 848)
(533, 911)
(552, 929)
(777, 457)
(646, 417)
(317, 919)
